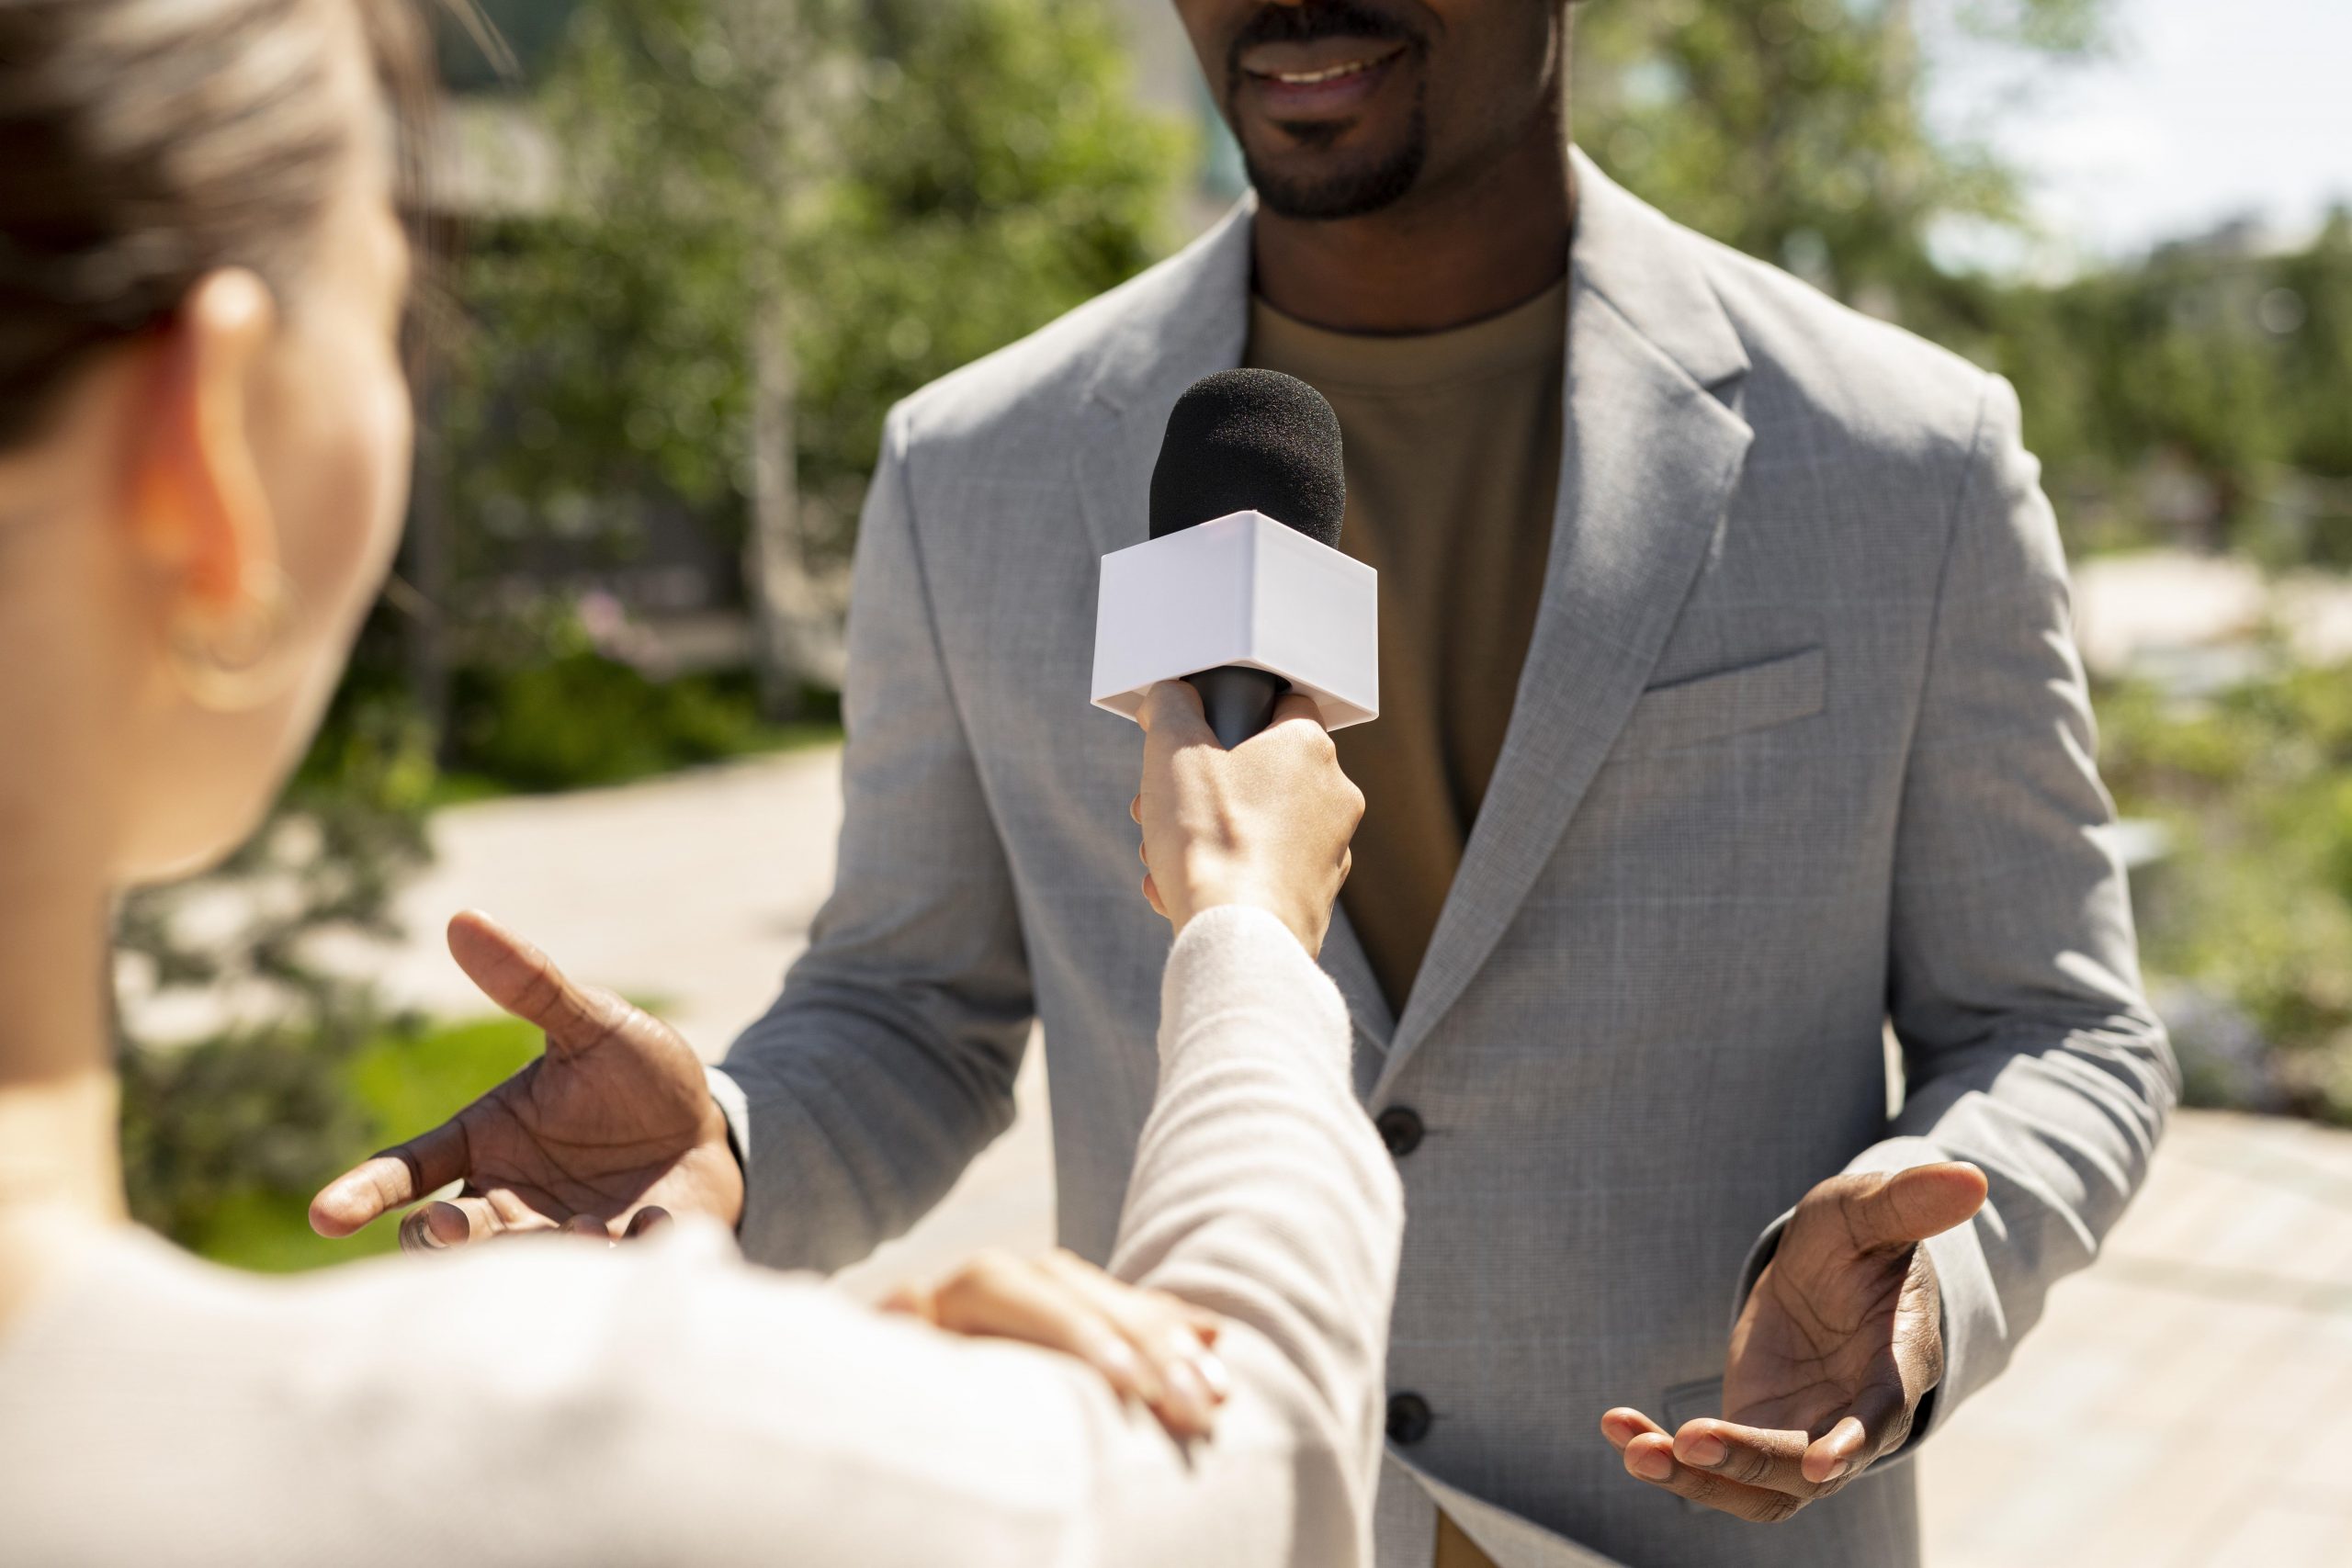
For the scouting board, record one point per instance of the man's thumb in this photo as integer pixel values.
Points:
(1912, 1205)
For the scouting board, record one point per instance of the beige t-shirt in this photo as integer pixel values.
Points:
(1452, 444)
(561, 1403)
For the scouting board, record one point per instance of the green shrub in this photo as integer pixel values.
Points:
(224, 1141)
(578, 719)
(2254, 906)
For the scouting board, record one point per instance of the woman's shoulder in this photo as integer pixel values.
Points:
(147, 1394)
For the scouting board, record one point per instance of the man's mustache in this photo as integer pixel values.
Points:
(1314, 21)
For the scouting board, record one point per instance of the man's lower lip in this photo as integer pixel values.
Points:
(1308, 100)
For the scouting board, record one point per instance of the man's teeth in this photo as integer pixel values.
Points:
(1308, 78)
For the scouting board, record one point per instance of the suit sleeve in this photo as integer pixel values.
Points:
(888, 1060)
(2014, 990)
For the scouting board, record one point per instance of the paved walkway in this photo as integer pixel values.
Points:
(2187, 1404)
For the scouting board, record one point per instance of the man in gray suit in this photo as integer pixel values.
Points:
(1732, 716)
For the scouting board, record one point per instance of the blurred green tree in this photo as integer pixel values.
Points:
(2195, 396)
(779, 217)
(1797, 131)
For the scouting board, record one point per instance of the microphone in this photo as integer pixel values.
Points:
(1239, 441)
(1241, 589)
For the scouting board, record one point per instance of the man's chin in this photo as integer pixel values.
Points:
(1327, 188)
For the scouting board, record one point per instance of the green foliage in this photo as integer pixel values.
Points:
(2228, 367)
(994, 175)
(225, 1142)
(923, 181)
(577, 719)
(1795, 130)
(2254, 903)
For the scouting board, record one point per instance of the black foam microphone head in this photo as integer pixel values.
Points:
(1250, 440)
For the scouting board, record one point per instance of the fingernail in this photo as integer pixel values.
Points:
(1212, 1373)
(1188, 1397)
(1836, 1470)
(1118, 1358)
(1706, 1451)
(1650, 1464)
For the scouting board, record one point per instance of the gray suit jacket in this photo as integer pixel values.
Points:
(1802, 746)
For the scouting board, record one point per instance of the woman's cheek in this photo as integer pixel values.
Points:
(352, 501)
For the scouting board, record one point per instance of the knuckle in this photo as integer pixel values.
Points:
(993, 1264)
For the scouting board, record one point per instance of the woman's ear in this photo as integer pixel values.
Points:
(201, 513)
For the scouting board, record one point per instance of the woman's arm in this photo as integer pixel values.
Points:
(1259, 1191)
(557, 1401)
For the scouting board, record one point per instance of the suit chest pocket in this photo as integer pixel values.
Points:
(1771, 692)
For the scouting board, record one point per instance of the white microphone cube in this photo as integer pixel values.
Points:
(1245, 590)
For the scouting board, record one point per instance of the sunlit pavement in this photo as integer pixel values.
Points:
(2187, 1403)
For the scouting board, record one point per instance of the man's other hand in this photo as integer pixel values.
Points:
(1265, 824)
(609, 1133)
(1838, 1344)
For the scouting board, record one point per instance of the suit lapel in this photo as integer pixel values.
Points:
(1191, 319)
(1184, 320)
(1649, 460)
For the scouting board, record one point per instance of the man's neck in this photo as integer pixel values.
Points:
(1438, 259)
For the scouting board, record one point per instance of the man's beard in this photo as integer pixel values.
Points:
(1348, 193)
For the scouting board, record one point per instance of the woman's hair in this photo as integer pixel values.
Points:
(144, 143)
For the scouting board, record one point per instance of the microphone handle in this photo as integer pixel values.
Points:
(1237, 701)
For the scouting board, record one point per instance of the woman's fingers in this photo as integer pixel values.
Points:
(1163, 1330)
(1293, 706)
(1145, 1345)
(1172, 709)
(999, 1296)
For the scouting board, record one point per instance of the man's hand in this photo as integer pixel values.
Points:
(1265, 824)
(1838, 1342)
(1147, 1345)
(608, 1134)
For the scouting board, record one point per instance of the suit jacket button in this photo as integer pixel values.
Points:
(1400, 1128)
(1410, 1418)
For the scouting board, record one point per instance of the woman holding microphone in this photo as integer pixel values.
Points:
(204, 442)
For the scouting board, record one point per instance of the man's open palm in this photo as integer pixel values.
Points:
(611, 1130)
(1838, 1344)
